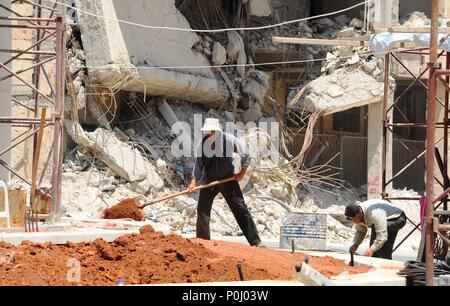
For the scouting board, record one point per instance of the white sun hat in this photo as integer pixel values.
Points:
(211, 124)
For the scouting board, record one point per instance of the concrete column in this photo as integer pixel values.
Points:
(375, 151)
(5, 91)
(384, 13)
(168, 113)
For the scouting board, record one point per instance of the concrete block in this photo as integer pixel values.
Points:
(260, 8)
(111, 64)
(219, 54)
(168, 113)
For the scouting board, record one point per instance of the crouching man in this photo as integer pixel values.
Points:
(384, 220)
(214, 162)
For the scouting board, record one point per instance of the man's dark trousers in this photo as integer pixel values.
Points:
(232, 193)
(393, 226)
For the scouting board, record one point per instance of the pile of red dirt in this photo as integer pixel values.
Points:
(149, 258)
(127, 209)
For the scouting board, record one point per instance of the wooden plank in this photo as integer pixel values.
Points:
(36, 157)
(17, 202)
(322, 42)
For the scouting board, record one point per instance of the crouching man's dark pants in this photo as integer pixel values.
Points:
(233, 195)
(393, 226)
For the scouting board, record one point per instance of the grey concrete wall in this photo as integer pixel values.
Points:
(5, 91)
(155, 47)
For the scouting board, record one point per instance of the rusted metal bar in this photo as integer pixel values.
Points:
(38, 5)
(431, 112)
(29, 68)
(37, 154)
(12, 146)
(20, 135)
(22, 104)
(30, 47)
(26, 26)
(410, 163)
(26, 83)
(446, 106)
(27, 19)
(44, 169)
(13, 171)
(418, 79)
(20, 120)
(27, 52)
(22, 18)
(407, 236)
(58, 113)
(442, 195)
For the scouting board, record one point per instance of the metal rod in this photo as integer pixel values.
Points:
(13, 171)
(446, 103)
(27, 27)
(58, 113)
(38, 5)
(36, 156)
(26, 83)
(22, 104)
(385, 121)
(30, 47)
(29, 68)
(12, 146)
(241, 274)
(431, 113)
(22, 18)
(27, 52)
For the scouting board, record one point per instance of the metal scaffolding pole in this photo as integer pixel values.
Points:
(44, 29)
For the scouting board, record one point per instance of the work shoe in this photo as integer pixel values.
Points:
(260, 245)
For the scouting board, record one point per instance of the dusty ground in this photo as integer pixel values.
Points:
(150, 258)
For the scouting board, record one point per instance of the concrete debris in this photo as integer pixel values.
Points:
(260, 8)
(219, 54)
(124, 160)
(236, 50)
(416, 19)
(167, 112)
(351, 88)
(356, 23)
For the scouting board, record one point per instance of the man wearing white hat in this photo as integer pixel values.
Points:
(214, 161)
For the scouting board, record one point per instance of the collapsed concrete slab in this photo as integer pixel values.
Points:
(124, 160)
(345, 88)
(130, 55)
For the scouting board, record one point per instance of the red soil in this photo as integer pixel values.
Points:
(127, 209)
(150, 258)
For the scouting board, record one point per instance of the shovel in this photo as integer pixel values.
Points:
(212, 184)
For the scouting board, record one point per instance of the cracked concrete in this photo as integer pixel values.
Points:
(130, 60)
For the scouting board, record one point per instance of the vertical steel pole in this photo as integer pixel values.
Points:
(58, 113)
(430, 144)
(445, 151)
(385, 122)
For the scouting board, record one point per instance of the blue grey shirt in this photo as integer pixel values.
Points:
(200, 169)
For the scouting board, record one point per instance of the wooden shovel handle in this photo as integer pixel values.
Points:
(212, 184)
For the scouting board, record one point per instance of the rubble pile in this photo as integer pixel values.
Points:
(76, 60)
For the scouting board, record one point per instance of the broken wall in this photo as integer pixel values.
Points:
(128, 56)
(159, 47)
